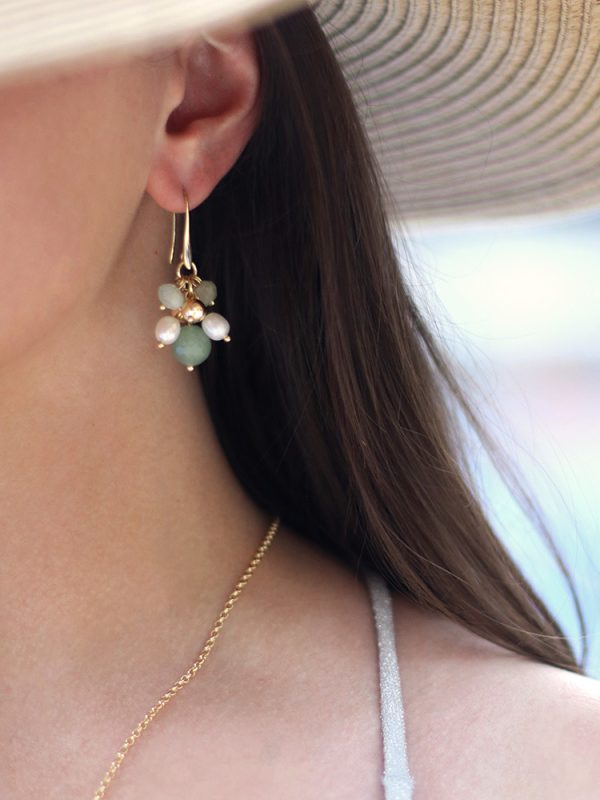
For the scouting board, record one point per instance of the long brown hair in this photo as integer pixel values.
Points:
(336, 406)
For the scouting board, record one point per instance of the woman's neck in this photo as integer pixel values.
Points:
(123, 526)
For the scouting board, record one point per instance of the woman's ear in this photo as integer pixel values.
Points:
(205, 134)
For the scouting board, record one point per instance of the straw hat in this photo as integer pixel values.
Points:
(476, 108)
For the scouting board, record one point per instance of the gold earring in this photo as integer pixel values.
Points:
(187, 299)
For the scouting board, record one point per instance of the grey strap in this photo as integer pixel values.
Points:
(397, 780)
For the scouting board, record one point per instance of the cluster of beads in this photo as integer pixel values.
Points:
(187, 300)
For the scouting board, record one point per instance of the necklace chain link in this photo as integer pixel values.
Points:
(187, 676)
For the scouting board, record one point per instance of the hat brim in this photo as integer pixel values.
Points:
(475, 108)
(38, 36)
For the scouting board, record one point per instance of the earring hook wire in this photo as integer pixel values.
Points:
(185, 256)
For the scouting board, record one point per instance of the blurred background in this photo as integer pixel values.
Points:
(518, 304)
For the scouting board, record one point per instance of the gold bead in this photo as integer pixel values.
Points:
(227, 338)
(190, 369)
(162, 308)
(192, 311)
(160, 344)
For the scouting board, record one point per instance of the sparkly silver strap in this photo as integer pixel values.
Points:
(397, 780)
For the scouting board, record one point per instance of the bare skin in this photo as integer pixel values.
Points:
(124, 527)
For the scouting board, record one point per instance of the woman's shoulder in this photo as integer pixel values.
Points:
(483, 722)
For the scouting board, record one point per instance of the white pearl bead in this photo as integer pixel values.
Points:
(170, 296)
(215, 326)
(167, 329)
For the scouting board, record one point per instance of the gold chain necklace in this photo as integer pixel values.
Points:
(187, 677)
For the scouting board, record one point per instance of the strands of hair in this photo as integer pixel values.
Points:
(337, 408)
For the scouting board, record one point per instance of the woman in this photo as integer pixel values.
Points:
(135, 494)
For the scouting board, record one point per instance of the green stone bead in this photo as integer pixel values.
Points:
(192, 346)
(206, 292)
(170, 296)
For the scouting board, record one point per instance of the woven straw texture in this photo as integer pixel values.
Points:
(477, 108)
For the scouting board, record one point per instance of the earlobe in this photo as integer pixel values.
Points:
(206, 133)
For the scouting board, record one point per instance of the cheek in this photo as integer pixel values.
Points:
(74, 158)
